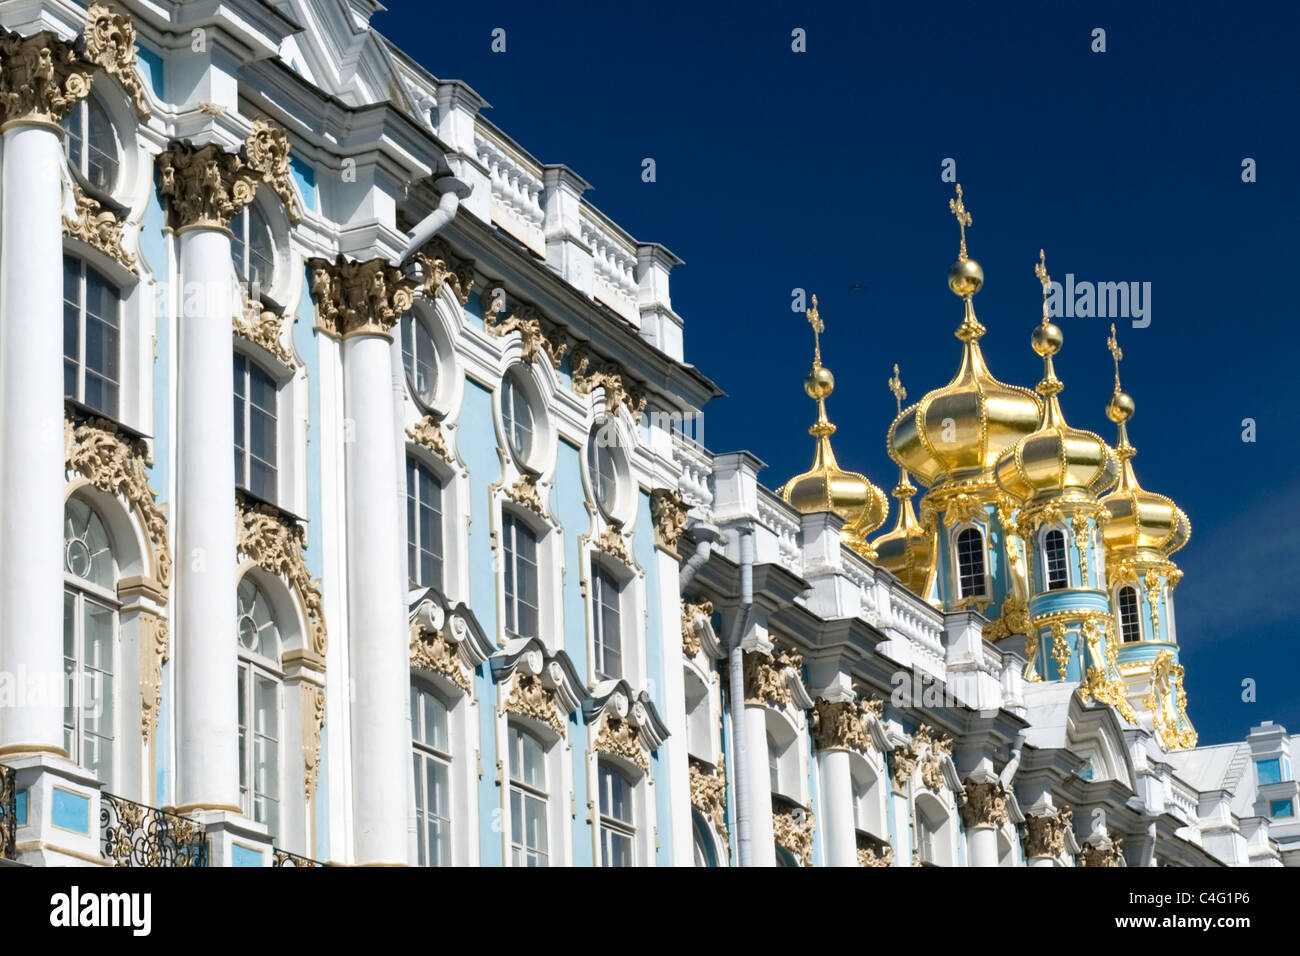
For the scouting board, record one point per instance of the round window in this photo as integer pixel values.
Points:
(420, 357)
(517, 416)
(255, 622)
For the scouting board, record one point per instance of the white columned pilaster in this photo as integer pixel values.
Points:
(840, 834)
(758, 780)
(31, 436)
(983, 844)
(360, 302)
(207, 657)
(673, 699)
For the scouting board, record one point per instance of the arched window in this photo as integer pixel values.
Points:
(260, 676)
(420, 357)
(617, 820)
(256, 422)
(89, 639)
(606, 598)
(423, 526)
(1130, 628)
(517, 416)
(602, 471)
(702, 837)
(1054, 559)
(91, 144)
(868, 816)
(92, 338)
(933, 832)
(970, 562)
(529, 799)
(520, 551)
(252, 249)
(429, 726)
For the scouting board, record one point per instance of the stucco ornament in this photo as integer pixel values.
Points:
(589, 373)
(839, 725)
(709, 794)
(619, 736)
(690, 614)
(154, 643)
(668, 511)
(276, 544)
(983, 805)
(267, 152)
(765, 679)
(935, 749)
(110, 45)
(358, 298)
(435, 651)
(1045, 833)
(41, 78)
(313, 719)
(794, 831)
(538, 335)
(264, 327)
(531, 698)
(1102, 853)
(867, 856)
(98, 227)
(902, 763)
(441, 267)
(611, 541)
(524, 492)
(206, 186)
(428, 432)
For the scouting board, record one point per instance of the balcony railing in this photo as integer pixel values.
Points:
(136, 835)
(285, 858)
(8, 811)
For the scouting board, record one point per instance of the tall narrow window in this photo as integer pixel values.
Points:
(255, 427)
(89, 638)
(423, 526)
(420, 356)
(252, 250)
(1130, 628)
(91, 143)
(773, 763)
(528, 799)
(517, 416)
(970, 562)
(92, 338)
(617, 827)
(520, 546)
(601, 469)
(1054, 557)
(258, 702)
(608, 643)
(432, 777)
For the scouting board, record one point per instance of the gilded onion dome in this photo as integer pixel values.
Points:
(826, 486)
(959, 430)
(1140, 520)
(908, 550)
(1056, 460)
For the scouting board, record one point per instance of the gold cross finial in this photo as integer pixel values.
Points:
(958, 209)
(818, 326)
(896, 386)
(1116, 352)
(1040, 270)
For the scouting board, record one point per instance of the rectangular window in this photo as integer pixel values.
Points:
(92, 342)
(970, 563)
(1270, 771)
(528, 800)
(258, 701)
(617, 832)
(89, 629)
(432, 757)
(608, 641)
(423, 526)
(520, 546)
(255, 430)
(1281, 808)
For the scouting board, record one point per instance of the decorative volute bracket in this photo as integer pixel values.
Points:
(266, 150)
(629, 726)
(848, 725)
(775, 681)
(538, 334)
(358, 298)
(276, 544)
(668, 512)
(440, 266)
(697, 631)
(446, 639)
(544, 687)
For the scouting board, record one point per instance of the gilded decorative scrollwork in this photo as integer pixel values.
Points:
(206, 185)
(538, 334)
(1060, 649)
(668, 512)
(934, 750)
(617, 736)
(267, 150)
(1151, 584)
(531, 698)
(524, 492)
(1103, 853)
(794, 834)
(963, 507)
(691, 640)
(1014, 619)
(1045, 833)
(98, 227)
(709, 794)
(276, 544)
(313, 719)
(264, 327)
(154, 641)
(589, 373)
(840, 725)
(1166, 700)
(428, 432)
(983, 804)
(41, 78)
(902, 763)
(765, 680)
(436, 652)
(115, 464)
(358, 298)
(869, 857)
(110, 45)
(611, 541)
(1079, 527)
(440, 267)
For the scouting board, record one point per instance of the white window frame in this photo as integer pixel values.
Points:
(253, 666)
(1046, 563)
(79, 390)
(80, 116)
(517, 854)
(243, 474)
(603, 581)
(986, 586)
(423, 754)
(613, 826)
(414, 465)
(1119, 614)
(512, 520)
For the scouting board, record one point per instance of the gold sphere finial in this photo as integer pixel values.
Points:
(1121, 406)
(958, 208)
(965, 277)
(1047, 338)
(820, 382)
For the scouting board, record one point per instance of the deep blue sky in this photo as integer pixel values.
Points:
(821, 170)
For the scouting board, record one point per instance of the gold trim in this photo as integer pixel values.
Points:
(97, 227)
(110, 45)
(276, 544)
(358, 298)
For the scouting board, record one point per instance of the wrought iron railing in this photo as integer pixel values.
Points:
(285, 858)
(8, 811)
(136, 835)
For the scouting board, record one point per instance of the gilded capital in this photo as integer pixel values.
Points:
(41, 78)
(205, 185)
(1045, 833)
(983, 805)
(358, 298)
(765, 680)
(839, 725)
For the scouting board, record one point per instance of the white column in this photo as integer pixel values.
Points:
(378, 653)
(672, 698)
(207, 657)
(982, 841)
(837, 808)
(759, 781)
(31, 439)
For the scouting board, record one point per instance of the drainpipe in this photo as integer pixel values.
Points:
(736, 669)
(1009, 771)
(705, 535)
(451, 191)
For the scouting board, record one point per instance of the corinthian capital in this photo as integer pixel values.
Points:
(207, 186)
(41, 78)
(983, 804)
(358, 298)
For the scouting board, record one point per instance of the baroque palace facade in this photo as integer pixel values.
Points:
(443, 578)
